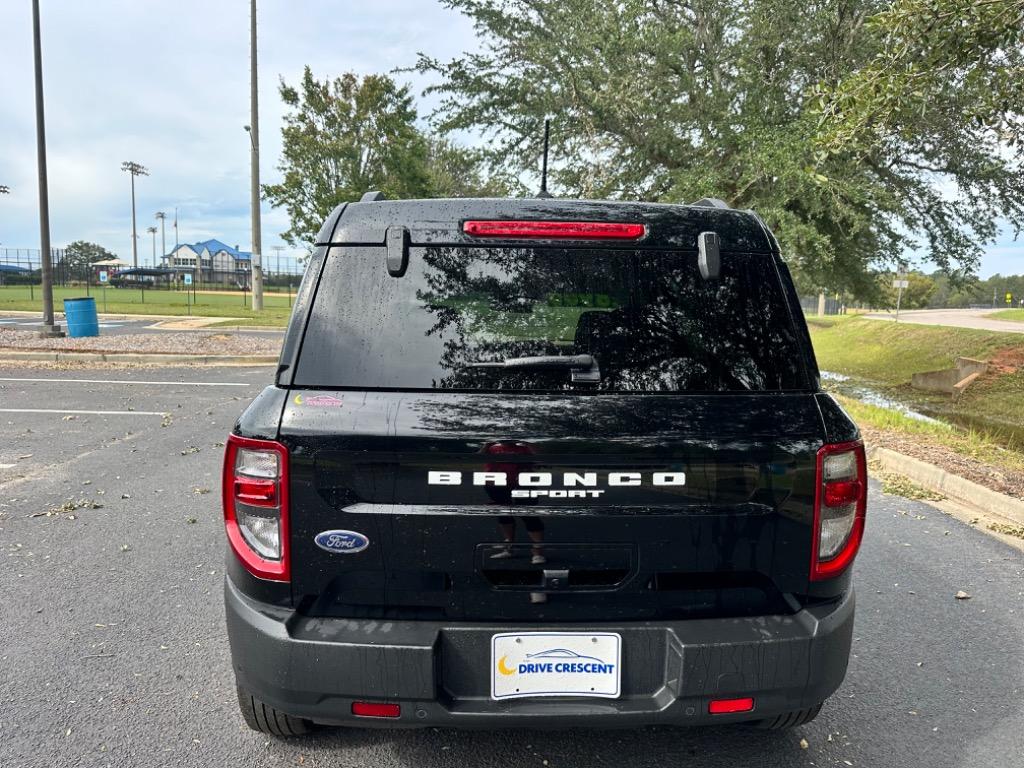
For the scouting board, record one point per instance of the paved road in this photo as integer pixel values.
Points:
(960, 318)
(113, 650)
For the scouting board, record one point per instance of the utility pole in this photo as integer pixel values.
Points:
(135, 170)
(49, 327)
(163, 234)
(253, 128)
(152, 231)
(175, 227)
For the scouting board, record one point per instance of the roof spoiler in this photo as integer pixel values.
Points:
(711, 202)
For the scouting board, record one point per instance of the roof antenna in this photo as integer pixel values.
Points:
(544, 168)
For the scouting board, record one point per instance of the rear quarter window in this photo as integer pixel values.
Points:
(647, 317)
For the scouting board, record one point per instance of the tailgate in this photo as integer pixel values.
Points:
(547, 507)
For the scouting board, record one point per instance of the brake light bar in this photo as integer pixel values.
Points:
(555, 230)
(840, 504)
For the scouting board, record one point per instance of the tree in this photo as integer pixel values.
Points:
(674, 100)
(347, 136)
(918, 293)
(79, 256)
(936, 53)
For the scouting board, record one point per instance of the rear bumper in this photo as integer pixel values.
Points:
(439, 672)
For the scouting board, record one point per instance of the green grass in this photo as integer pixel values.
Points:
(976, 444)
(883, 355)
(888, 353)
(1012, 315)
(132, 301)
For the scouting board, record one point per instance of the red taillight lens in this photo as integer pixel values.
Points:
(839, 508)
(371, 709)
(841, 493)
(255, 490)
(262, 493)
(730, 706)
(555, 230)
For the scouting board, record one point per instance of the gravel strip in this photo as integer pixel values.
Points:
(919, 447)
(186, 343)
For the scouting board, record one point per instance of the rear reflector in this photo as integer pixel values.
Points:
(555, 230)
(729, 706)
(371, 709)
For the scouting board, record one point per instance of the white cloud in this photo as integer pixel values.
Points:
(167, 85)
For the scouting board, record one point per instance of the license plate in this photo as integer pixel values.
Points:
(556, 664)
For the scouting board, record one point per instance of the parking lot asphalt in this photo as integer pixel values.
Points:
(113, 648)
(114, 327)
(119, 327)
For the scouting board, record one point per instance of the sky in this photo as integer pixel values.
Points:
(167, 85)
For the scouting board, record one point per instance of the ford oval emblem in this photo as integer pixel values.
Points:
(342, 542)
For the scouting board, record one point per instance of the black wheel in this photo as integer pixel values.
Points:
(788, 719)
(265, 719)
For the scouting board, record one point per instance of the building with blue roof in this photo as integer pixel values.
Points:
(211, 261)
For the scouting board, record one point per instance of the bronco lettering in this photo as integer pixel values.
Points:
(546, 479)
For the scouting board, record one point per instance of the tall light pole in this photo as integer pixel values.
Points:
(255, 263)
(152, 231)
(161, 216)
(279, 248)
(49, 327)
(134, 169)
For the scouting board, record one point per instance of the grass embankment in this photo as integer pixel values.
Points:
(883, 355)
(132, 301)
(1011, 315)
(971, 443)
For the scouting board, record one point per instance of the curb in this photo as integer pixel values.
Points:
(957, 488)
(158, 358)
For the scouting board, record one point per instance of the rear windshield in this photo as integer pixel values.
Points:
(491, 319)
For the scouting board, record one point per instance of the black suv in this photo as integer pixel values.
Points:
(542, 462)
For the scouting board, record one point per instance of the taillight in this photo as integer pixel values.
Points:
(555, 230)
(839, 506)
(255, 491)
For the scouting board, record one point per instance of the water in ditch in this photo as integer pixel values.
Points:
(1008, 435)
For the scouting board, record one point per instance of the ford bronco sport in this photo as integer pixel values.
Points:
(542, 462)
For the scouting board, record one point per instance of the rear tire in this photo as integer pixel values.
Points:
(788, 720)
(265, 719)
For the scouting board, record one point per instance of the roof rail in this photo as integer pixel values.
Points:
(372, 196)
(711, 202)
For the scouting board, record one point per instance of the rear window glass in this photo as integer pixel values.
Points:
(647, 319)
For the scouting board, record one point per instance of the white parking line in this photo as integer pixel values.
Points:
(87, 413)
(132, 381)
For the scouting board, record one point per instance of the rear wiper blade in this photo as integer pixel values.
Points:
(584, 367)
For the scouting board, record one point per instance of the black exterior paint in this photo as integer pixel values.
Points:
(709, 580)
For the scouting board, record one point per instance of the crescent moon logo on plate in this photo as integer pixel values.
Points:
(504, 669)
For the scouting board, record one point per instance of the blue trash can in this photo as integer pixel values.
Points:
(80, 315)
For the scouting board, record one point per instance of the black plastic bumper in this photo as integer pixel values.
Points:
(439, 672)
